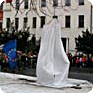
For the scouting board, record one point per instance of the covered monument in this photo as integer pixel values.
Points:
(53, 64)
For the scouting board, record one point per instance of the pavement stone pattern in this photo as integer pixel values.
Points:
(14, 85)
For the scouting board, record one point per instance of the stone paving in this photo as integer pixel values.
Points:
(11, 84)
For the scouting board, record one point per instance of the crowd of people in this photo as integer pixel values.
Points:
(29, 60)
(81, 60)
(24, 61)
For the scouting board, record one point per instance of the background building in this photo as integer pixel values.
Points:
(1, 12)
(1, 16)
(74, 16)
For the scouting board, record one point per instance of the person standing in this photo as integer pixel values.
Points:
(77, 62)
(28, 59)
(19, 62)
(2, 61)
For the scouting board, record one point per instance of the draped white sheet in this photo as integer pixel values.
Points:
(53, 64)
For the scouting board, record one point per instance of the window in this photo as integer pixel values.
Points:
(8, 23)
(55, 17)
(68, 2)
(67, 21)
(0, 26)
(25, 22)
(26, 4)
(1, 6)
(34, 22)
(81, 21)
(55, 2)
(17, 4)
(16, 23)
(43, 3)
(81, 2)
(42, 21)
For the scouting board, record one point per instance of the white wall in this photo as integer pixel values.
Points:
(74, 10)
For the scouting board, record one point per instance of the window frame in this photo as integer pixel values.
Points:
(8, 23)
(43, 18)
(55, 3)
(1, 6)
(16, 22)
(43, 3)
(34, 22)
(80, 22)
(17, 4)
(81, 2)
(26, 4)
(68, 3)
(25, 22)
(67, 23)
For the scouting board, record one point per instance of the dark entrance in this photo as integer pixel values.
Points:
(64, 43)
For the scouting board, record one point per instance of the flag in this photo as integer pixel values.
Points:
(10, 51)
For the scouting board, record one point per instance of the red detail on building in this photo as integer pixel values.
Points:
(8, 1)
(1, 15)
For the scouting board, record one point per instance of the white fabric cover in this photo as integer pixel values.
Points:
(53, 64)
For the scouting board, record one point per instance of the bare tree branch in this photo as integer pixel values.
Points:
(33, 6)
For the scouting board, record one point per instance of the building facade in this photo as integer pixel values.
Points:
(74, 17)
(1, 20)
(1, 16)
